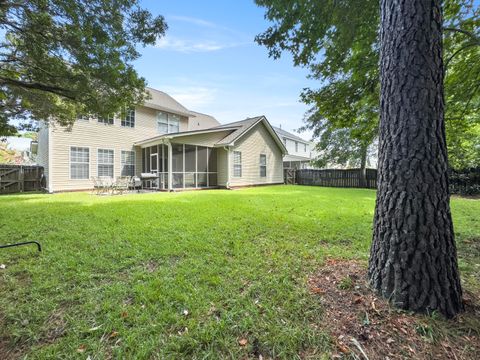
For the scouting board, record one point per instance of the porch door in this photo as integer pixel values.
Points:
(154, 170)
(154, 163)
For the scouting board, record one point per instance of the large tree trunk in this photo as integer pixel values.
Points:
(413, 260)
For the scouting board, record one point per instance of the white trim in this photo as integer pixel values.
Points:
(241, 164)
(152, 141)
(134, 119)
(260, 165)
(272, 132)
(134, 161)
(70, 162)
(113, 171)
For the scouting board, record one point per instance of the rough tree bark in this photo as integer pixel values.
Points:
(413, 260)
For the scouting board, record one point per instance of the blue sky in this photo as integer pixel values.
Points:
(209, 61)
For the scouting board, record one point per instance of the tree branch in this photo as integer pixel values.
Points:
(38, 86)
(471, 35)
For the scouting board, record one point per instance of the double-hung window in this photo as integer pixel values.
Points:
(263, 165)
(79, 162)
(173, 123)
(105, 162)
(296, 146)
(162, 122)
(167, 123)
(128, 119)
(128, 163)
(237, 164)
(108, 120)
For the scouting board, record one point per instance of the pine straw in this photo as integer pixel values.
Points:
(364, 326)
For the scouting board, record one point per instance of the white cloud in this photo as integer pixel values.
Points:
(194, 21)
(192, 96)
(191, 46)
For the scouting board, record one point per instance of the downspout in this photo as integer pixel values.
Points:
(227, 184)
(169, 147)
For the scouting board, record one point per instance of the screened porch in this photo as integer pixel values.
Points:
(192, 167)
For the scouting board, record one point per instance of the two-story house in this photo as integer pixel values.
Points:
(300, 152)
(183, 148)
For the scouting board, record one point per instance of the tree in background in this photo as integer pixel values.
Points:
(61, 58)
(338, 41)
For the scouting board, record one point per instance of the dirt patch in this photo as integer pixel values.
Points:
(364, 326)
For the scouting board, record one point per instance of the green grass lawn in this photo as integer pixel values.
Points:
(118, 274)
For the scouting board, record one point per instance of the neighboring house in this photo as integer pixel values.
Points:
(184, 148)
(300, 152)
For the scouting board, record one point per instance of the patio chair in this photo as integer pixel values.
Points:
(97, 186)
(121, 184)
(105, 184)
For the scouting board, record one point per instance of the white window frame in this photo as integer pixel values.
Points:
(264, 156)
(112, 164)
(127, 115)
(237, 165)
(304, 147)
(169, 122)
(70, 162)
(296, 146)
(101, 120)
(122, 163)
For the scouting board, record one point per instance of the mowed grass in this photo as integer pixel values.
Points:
(184, 275)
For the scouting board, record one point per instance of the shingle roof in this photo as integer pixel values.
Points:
(283, 133)
(204, 117)
(237, 128)
(162, 101)
(243, 126)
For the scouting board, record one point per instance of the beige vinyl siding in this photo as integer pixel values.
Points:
(96, 136)
(42, 152)
(206, 139)
(255, 142)
(222, 167)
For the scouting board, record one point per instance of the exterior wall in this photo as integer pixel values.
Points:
(257, 141)
(222, 166)
(42, 152)
(304, 148)
(96, 136)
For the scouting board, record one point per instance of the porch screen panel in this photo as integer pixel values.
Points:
(202, 159)
(212, 160)
(201, 179)
(212, 179)
(177, 158)
(190, 158)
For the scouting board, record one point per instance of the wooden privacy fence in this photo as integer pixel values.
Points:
(463, 182)
(351, 178)
(20, 178)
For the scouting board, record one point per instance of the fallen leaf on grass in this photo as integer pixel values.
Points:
(124, 314)
(113, 334)
(317, 290)
(243, 342)
(82, 348)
